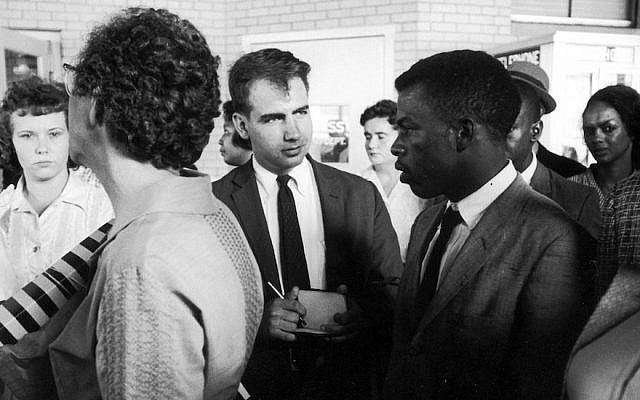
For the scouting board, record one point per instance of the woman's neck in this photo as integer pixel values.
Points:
(388, 176)
(40, 194)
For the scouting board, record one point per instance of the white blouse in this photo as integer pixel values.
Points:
(403, 207)
(29, 243)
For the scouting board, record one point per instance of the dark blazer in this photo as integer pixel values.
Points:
(361, 250)
(579, 201)
(561, 165)
(360, 243)
(506, 313)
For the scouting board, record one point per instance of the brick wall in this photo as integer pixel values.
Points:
(423, 27)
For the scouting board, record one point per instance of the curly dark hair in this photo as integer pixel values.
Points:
(382, 109)
(236, 139)
(155, 84)
(466, 84)
(31, 96)
(274, 65)
(626, 102)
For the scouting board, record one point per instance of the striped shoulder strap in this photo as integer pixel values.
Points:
(33, 305)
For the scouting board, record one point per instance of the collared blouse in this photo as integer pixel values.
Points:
(30, 243)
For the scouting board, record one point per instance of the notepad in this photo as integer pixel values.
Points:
(321, 307)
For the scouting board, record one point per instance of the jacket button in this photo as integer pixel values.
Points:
(414, 350)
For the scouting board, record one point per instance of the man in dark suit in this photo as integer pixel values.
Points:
(493, 293)
(344, 241)
(579, 201)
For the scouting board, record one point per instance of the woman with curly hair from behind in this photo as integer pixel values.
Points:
(176, 298)
(52, 206)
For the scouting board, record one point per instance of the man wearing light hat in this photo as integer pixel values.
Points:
(580, 202)
(535, 77)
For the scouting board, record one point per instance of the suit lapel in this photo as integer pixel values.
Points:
(541, 180)
(247, 200)
(420, 239)
(424, 229)
(473, 255)
(333, 216)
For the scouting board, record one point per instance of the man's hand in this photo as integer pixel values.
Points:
(281, 316)
(348, 324)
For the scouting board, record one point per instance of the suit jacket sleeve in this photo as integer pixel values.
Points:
(554, 306)
(386, 263)
(589, 216)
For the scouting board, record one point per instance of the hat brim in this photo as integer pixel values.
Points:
(548, 103)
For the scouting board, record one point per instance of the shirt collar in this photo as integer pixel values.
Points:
(301, 177)
(473, 206)
(74, 191)
(18, 201)
(527, 174)
(179, 194)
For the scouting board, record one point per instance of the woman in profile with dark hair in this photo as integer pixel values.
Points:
(611, 125)
(52, 206)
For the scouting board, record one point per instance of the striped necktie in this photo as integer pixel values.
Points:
(33, 305)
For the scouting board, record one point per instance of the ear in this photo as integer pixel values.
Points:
(93, 112)
(240, 123)
(465, 133)
(536, 131)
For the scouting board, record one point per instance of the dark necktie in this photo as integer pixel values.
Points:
(292, 259)
(427, 290)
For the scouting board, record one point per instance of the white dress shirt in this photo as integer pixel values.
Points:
(305, 194)
(471, 209)
(527, 174)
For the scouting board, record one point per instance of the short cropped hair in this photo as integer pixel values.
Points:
(626, 102)
(155, 84)
(466, 84)
(236, 139)
(31, 96)
(382, 109)
(273, 65)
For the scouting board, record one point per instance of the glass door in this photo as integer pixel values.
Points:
(22, 55)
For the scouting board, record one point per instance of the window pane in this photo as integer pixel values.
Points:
(610, 9)
(550, 8)
(19, 66)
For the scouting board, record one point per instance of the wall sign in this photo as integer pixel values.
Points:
(531, 55)
(330, 133)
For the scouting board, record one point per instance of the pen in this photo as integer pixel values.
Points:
(301, 321)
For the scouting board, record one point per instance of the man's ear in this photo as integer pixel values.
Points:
(465, 133)
(240, 123)
(95, 112)
(536, 131)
